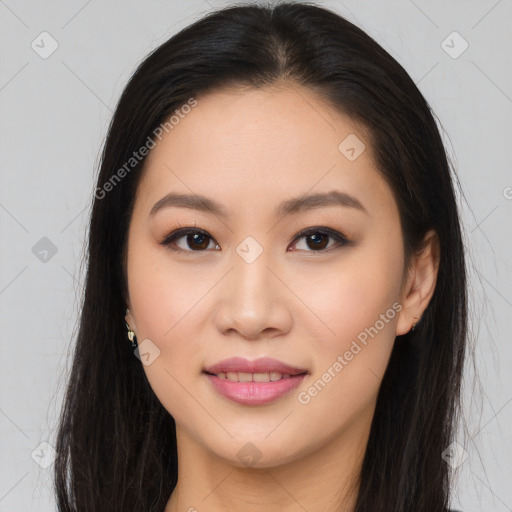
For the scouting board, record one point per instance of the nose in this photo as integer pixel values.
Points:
(253, 303)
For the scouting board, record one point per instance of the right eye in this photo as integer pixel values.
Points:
(197, 240)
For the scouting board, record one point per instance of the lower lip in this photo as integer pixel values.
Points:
(255, 393)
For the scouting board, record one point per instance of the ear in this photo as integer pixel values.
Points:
(420, 283)
(130, 321)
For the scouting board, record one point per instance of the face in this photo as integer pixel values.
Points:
(316, 284)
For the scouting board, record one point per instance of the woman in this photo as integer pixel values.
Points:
(275, 306)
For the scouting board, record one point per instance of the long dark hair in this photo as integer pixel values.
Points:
(116, 444)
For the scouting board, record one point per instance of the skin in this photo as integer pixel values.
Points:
(249, 150)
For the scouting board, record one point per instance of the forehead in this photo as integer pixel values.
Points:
(267, 143)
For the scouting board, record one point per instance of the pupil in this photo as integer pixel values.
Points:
(316, 238)
(197, 240)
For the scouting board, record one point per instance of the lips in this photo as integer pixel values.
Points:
(252, 377)
(264, 365)
(256, 382)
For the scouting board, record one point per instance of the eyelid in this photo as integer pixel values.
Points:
(178, 233)
(321, 229)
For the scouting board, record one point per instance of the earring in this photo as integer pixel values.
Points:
(414, 324)
(131, 335)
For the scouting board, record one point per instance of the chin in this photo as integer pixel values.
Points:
(257, 452)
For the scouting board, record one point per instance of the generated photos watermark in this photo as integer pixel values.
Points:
(305, 397)
(143, 151)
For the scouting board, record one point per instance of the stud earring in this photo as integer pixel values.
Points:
(131, 335)
(415, 323)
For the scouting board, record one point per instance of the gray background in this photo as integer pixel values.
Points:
(54, 115)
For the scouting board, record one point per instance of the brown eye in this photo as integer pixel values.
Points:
(194, 240)
(198, 241)
(317, 239)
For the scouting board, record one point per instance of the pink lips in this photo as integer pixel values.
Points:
(254, 393)
(261, 365)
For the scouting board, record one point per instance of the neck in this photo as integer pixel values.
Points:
(324, 480)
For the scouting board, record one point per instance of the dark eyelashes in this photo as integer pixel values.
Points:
(338, 237)
(183, 231)
(335, 235)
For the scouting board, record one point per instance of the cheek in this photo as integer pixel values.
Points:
(351, 295)
(165, 302)
(358, 308)
(161, 295)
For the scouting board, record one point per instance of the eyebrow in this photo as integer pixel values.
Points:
(290, 206)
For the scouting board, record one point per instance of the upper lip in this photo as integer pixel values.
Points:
(261, 365)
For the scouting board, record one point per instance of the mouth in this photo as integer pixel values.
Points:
(256, 382)
(258, 368)
(253, 377)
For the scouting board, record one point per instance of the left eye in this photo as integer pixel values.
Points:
(317, 240)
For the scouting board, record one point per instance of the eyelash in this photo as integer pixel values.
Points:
(338, 237)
